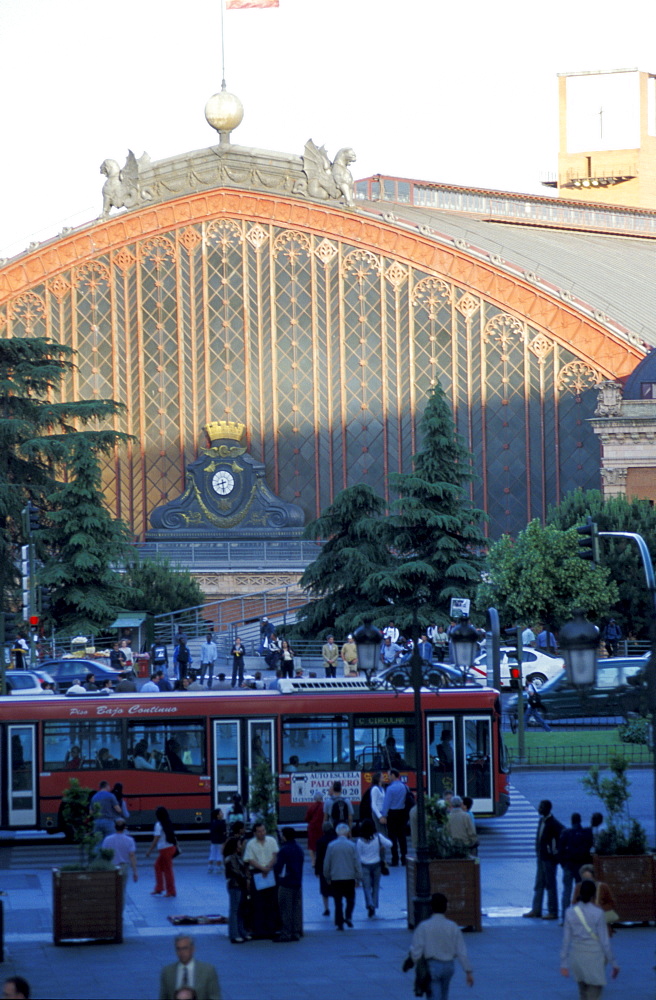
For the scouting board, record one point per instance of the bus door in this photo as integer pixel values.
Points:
(21, 775)
(440, 752)
(477, 750)
(260, 744)
(227, 761)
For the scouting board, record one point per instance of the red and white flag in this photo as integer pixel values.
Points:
(241, 4)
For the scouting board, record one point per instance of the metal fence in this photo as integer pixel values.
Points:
(234, 555)
(581, 756)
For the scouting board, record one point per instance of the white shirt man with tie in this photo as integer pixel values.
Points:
(188, 971)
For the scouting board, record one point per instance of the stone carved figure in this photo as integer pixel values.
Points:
(325, 179)
(122, 188)
(609, 399)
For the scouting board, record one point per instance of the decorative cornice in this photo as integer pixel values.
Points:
(609, 353)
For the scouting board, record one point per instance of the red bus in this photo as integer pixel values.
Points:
(193, 751)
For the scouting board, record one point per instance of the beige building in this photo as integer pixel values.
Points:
(608, 137)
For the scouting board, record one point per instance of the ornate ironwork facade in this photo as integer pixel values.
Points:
(323, 333)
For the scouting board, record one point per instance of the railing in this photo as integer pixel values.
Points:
(581, 756)
(231, 615)
(234, 555)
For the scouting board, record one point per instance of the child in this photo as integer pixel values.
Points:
(217, 839)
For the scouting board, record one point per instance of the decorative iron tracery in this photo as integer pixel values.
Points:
(325, 350)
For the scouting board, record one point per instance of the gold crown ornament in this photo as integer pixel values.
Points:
(222, 430)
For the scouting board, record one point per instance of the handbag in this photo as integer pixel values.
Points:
(177, 852)
(611, 916)
(384, 870)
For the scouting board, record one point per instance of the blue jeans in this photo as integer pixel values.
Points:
(528, 712)
(235, 925)
(371, 883)
(203, 668)
(545, 878)
(569, 878)
(441, 974)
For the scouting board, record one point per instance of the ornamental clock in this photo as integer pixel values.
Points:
(223, 482)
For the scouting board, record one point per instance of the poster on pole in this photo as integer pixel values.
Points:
(460, 606)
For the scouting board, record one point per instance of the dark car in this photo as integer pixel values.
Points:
(618, 692)
(446, 675)
(66, 672)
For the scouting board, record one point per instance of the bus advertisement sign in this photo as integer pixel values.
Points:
(306, 785)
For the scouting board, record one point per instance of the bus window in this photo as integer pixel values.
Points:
(384, 743)
(168, 746)
(82, 745)
(318, 743)
(441, 756)
(477, 737)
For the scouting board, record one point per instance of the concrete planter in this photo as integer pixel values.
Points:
(632, 880)
(87, 905)
(460, 881)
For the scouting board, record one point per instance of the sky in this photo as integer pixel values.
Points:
(461, 93)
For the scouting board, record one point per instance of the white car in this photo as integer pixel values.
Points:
(537, 667)
(27, 682)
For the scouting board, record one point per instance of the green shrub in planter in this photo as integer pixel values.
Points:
(623, 834)
(635, 731)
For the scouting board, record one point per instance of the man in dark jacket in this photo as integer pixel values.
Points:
(546, 848)
(574, 849)
(288, 870)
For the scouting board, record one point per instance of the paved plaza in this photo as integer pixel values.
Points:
(513, 958)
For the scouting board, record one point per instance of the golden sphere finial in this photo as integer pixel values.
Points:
(224, 112)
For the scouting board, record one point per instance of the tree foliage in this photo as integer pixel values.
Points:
(46, 457)
(86, 545)
(433, 531)
(413, 560)
(156, 587)
(539, 577)
(632, 608)
(354, 548)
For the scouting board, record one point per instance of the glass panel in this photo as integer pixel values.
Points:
(82, 745)
(383, 744)
(22, 770)
(389, 189)
(260, 734)
(478, 777)
(315, 743)
(403, 191)
(441, 755)
(167, 746)
(226, 750)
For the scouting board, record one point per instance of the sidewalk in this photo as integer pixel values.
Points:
(513, 958)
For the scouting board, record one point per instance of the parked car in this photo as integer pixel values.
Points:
(27, 682)
(67, 671)
(446, 673)
(537, 667)
(618, 692)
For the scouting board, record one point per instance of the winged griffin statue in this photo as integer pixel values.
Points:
(122, 189)
(325, 179)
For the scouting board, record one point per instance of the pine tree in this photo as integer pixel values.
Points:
(157, 587)
(86, 544)
(353, 549)
(434, 531)
(36, 436)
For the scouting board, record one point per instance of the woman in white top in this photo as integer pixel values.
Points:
(371, 846)
(586, 948)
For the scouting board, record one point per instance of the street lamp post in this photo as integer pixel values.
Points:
(421, 675)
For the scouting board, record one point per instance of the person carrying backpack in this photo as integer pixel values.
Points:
(338, 809)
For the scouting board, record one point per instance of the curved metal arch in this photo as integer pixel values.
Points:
(559, 319)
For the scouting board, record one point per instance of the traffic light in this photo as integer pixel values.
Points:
(10, 621)
(31, 521)
(45, 601)
(589, 541)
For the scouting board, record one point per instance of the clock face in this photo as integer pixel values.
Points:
(223, 482)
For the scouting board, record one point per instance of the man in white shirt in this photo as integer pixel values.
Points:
(391, 632)
(208, 655)
(261, 854)
(76, 688)
(440, 941)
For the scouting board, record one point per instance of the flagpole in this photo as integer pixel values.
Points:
(223, 82)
